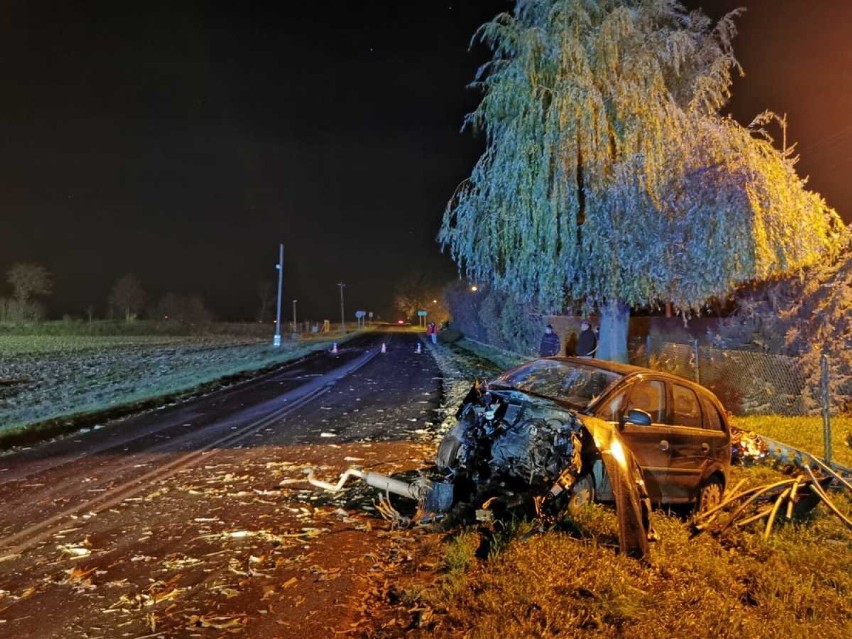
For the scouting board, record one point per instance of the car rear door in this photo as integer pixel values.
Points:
(694, 443)
(720, 438)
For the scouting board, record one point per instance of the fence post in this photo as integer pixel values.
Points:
(648, 349)
(825, 396)
(697, 363)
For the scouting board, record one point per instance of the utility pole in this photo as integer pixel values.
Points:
(342, 316)
(276, 341)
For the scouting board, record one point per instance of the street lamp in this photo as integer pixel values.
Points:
(295, 328)
(276, 341)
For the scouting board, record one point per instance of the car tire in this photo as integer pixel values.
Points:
(582, 494)
(709, 495)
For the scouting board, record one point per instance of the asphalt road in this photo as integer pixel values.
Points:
(193, 520)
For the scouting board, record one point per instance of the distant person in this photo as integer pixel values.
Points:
(550, 344)
(432, 332)
(587, 342)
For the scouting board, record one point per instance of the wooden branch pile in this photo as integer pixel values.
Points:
(795, 497)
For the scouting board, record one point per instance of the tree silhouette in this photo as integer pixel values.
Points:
(29, 280)
(127, 296)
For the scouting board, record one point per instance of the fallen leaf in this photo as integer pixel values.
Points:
(27, 593)
(220, 623)
(77, 574)
(75, 551)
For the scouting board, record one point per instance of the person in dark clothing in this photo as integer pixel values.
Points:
(550, 344)
(587, 342)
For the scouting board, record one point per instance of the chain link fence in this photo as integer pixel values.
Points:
(754, 383)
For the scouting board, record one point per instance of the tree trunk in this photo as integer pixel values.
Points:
(615, 322)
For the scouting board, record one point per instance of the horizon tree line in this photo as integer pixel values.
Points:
(127, 299)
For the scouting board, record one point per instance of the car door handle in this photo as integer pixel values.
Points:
(664, 445)
(705, 447)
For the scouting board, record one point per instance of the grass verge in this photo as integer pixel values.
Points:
(572, 583)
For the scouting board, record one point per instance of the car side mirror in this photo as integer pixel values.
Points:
(635, 416)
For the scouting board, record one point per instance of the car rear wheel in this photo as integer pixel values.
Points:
(710, 495)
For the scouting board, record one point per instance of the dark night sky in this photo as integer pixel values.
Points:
(182, 141)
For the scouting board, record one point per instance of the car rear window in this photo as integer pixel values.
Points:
(686, 410)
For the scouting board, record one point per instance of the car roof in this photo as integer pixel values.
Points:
(629, 370)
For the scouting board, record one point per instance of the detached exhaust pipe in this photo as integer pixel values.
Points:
(436, 497)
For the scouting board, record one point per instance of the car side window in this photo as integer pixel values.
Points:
(612, 409)
(712, 420)
(686, 410)
(649, 396)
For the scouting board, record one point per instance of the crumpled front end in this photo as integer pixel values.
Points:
(511, 451)
(514, 448)
(506, 440)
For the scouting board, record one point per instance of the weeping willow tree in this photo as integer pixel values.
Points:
(610, 178)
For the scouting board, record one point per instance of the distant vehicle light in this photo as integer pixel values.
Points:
(400, 321)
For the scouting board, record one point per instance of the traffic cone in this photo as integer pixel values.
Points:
(418, 351)
(334, 348)
(384, 348)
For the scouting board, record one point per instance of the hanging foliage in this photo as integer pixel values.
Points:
(609, 176)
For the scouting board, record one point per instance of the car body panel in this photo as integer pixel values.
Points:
(694, 453)
(653, 457)
(694, 457)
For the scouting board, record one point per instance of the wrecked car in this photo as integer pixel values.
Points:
(545, 428)
(560, 432)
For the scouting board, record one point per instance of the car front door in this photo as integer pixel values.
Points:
(650, 444)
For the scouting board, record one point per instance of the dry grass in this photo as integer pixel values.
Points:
(573, 583)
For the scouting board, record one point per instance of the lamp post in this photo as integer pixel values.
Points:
(276, 341)
(295, 327)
